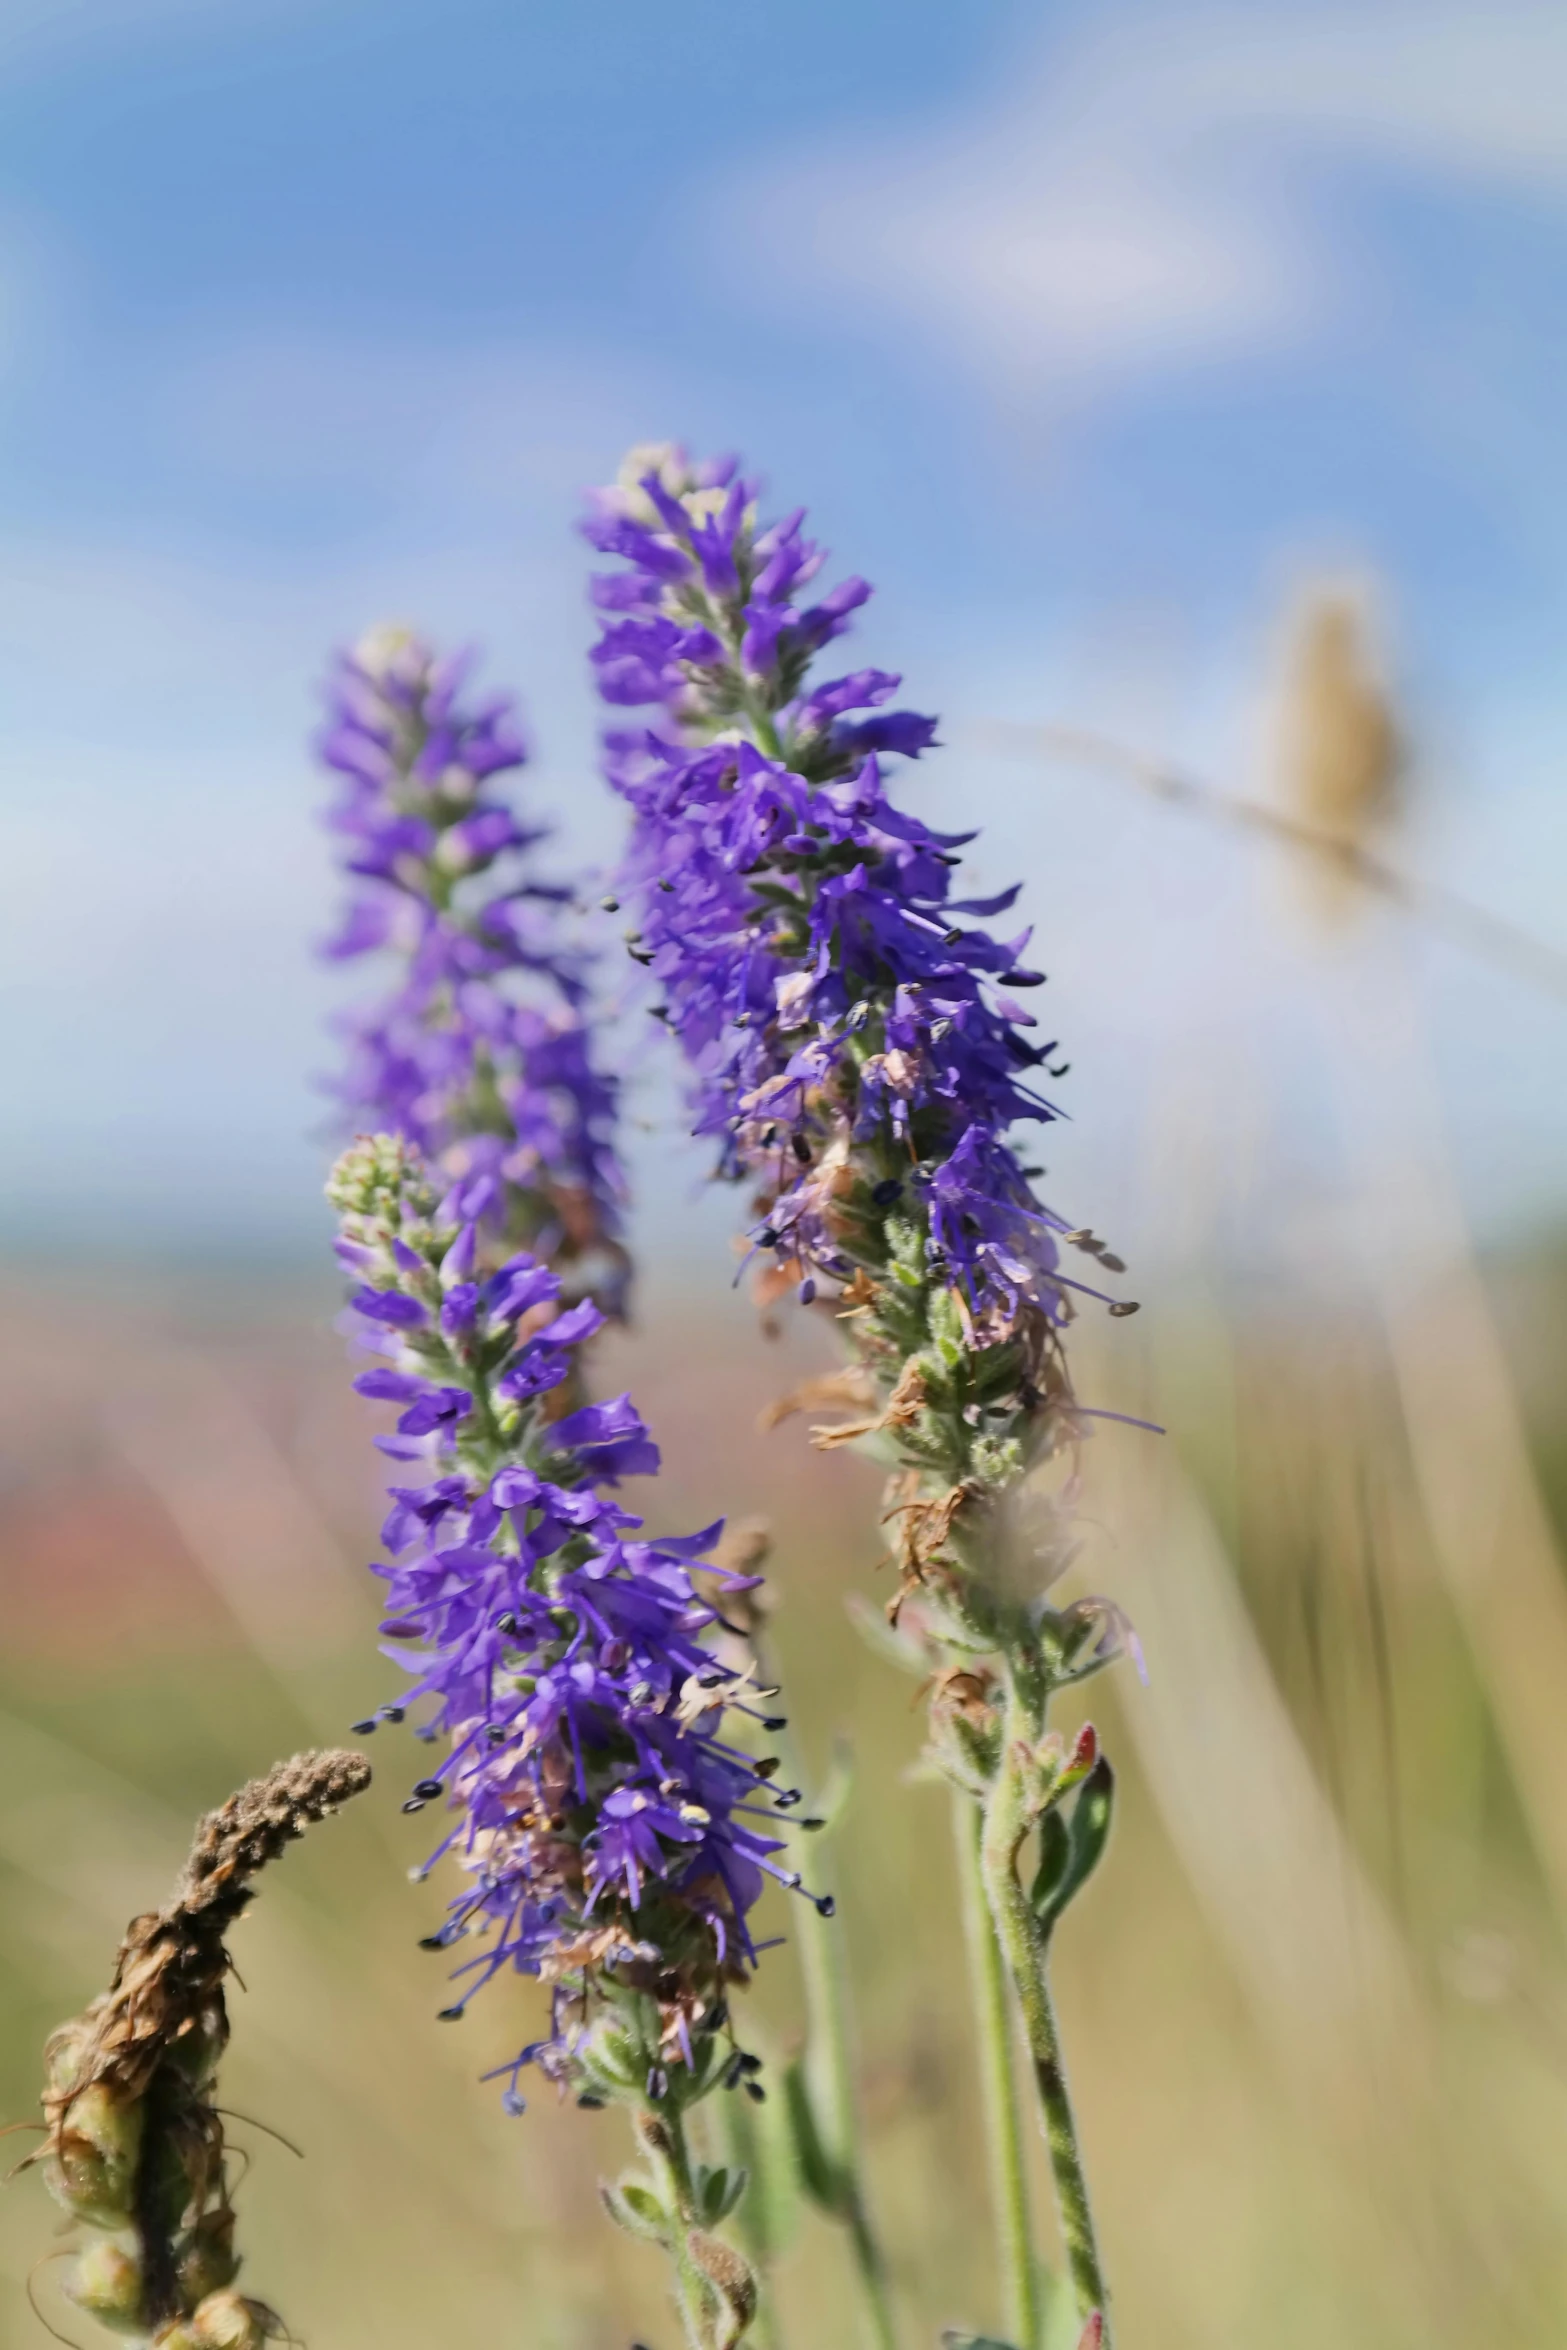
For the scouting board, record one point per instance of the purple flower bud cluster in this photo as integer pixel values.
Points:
(847, 1015)
(614, 1842)
(480, 1052)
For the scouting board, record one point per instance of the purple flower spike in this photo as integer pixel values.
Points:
(851, 1018)
(614, 1842)
(480, 1052)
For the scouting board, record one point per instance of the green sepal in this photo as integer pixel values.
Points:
(946, 1328)
(718, 2191)
(968, 1752)
(632, 2205)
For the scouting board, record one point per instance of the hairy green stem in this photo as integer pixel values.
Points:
(998, 2085)
(663, 2140)
(1025, 1945)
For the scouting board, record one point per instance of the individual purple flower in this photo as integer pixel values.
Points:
(480, 1050)
(613, 1839)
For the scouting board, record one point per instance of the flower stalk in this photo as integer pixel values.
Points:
(861, 1058)
(1005, 2155)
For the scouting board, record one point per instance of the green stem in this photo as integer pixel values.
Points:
(830, 2074)
(663, 2141)
(1026, 1946)
(998, 2087)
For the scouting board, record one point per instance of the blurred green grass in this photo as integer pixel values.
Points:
(1316, 2009)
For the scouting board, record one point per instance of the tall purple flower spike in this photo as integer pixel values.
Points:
(480, 1051)
(839, 1004)
(615, 1844)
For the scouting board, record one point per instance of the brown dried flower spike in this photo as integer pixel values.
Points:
(133, 2145)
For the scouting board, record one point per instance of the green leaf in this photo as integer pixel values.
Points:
(818, 2172)
(1055, 1855)
(1087, 1835)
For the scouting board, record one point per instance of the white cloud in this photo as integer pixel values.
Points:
(1142, 196)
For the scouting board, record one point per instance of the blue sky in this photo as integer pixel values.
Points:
(1088, 332)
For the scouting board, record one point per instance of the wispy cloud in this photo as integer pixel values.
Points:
(1142, 195)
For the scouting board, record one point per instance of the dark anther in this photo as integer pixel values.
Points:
(811, 1823)
(508, 1624)
(391, 1713)
(428, 1789)
(433, 1942)
(749, 2063)
(669, 885)
(414, 1803)
(589, 2103)
(610, 905)
(657, 2083)
(952, 938)
(735, 2074)
(885, 1193)
(826, 1906)
(768, 1237)
(756, 2093)
(363, 1729)
(717, 2016)
(775, 1722)
(448, 2015)
(786, 1802)
(765, 1768)
(658, 1011)
(801, 1149)
(496, 1735)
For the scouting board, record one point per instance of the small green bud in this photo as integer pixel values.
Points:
(377, 1176)
(205, 2261)
(63, 2052)
(92, 2171)
(227, 2321)
(997, 1460)
(106, 2281)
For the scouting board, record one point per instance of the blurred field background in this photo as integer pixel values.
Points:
(1188, 377)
